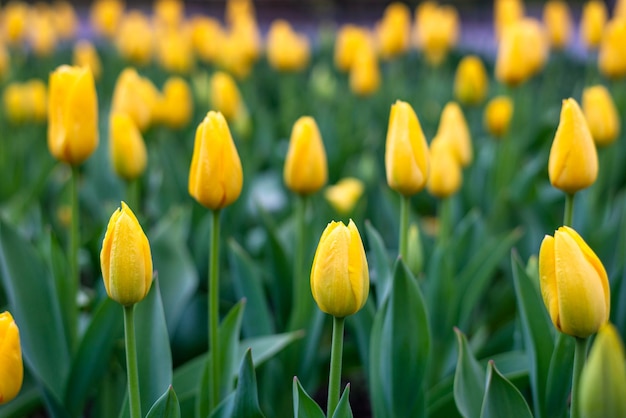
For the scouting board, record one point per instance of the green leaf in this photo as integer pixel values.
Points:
(559, 382)
(246, 395)
(303, 405)
(379, 262)
(166, 406)
(537, 331)
(502, 399)
(469, 380)
(343, 409)
(34, 304)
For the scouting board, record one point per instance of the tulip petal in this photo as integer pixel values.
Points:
(547, 271)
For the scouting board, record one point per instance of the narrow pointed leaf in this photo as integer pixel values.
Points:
(469, 380)
(559, 383)
(246, 395)
(166, 406)
(303, 405)
(343, 409)
(502, 399)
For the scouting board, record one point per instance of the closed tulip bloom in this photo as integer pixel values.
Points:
(507, 12)
(406, 151)
(134, 38)
(72, 114)
(471, 81)
(601, 114)
(125, 258)
(11, 365)
(619, 10)
(558, 20)
(105, 16)
(203, 28)
(169, 13)
(136, 96)
(446, 174)
(176, 104)
(602, 387)
(612, 53)
(305, 170)
(14, 19)
(453, 127)
(36, 99)
(592, 22)
(574, 284)
(344, 195)
(498, 115)
(573, 163)
(127, 148)
(85, 55)
(42, 34)
(225, 96)
(340, 276)
(215, 176)
(349, 41)
(365, 73)
(394, 30)
(175, 50)
(438, 32)
(286, 49)
(64, 19)
(522, 52)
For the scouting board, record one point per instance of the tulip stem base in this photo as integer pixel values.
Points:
(301, 299)
(74, 280)
(403, 246)
(131, 362)
(334, 379)
(580, 355)
(214, 371)
(132, 195)
(568, 215)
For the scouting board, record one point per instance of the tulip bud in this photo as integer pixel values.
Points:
(14, 18)
(64, 19)
(344, 195)
(136, 96)
(203, 28)
(127, 148)
(574, 284)
(72, 114)
(305, 170)
(215, 176)
(134, 38)
(506, 13)
(602, 387)
(592, 23)
(453, 127)
(415, 257)
(522, 52)
(498, 114)
(445, 176)
(558, 21)
(406, 151)
(105, 16)
(42, 35)
(286, 49)
(11, 366)
(611, 56)
(169, 13)
(349, 41)
(471, 81)
(573, 163)
(176, 106)
(394, 30)
(601, 114)
(85, 55)
(175, 50)
(125, 258)
(438, 31)
(225, 96)
(340, 276)
(365, 73)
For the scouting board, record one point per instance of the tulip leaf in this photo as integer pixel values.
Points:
(502, 398)
(166, 406)
(379, 262)
(246, 394)
(469, 380)
(537, 332)
(343, 409)
(559, 381)
(303, 405)
(34, 304)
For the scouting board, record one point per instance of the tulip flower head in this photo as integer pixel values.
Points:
(611, 55)
(105, 16)
(125, 258)
(306, 168)
(592, 22)
(573, 163)
(394, 30)
(471, 81)
(344, 195)
(446, 175)
(574, 284)
(225, 96)
(135, 38)
(215, 176)
(498, 114)
(287, 50)
(72, 114)
(85, 55)
(522, 52)
(365, 73)
(339, 275)
(11, 365)
(127, 148)
(601, 114)
(453, 127)
(558, 20)
(506, 13)
(348, 42)
(438, 31)
(136, 96)
(176, 106)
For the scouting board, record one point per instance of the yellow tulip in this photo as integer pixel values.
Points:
(202, 29)
(64, 19)
(177, 103)
(11, 365)
(169, 13)
(344, 195)
(85, 55)
(471, 81)
(619, 10)
(453, 127)
(125, 258)
(134, 38)
(507, 12)
(601, 114)
(215, 176)
(592, 23)
(305, 169)
(574, 284)
(14, 22)
(394, 30)
(365, 73)
(72, 114)
(36, 96)
(175, 50)
(239, 9)
(406, 151)
(339, 275)
(438, 31)
(286, 49)
(350, 39)
(611, 56)
(602, 387)
(498, 115)
(126, 147)
(573, 163)
(105, 16)
(446, 174)
(558, 20)
(225, 96)
(522, 52)
(136, 96)
(42, 34)
(24, 102)
(234, 55)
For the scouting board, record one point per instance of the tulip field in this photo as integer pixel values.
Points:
(208, 210)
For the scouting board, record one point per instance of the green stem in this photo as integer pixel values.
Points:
(334, 379)
(404, 226)
(301, 299)
(568, 216)
(580, 355)
(214, 372)
(131, 362)
(73, 261)
(132, 195)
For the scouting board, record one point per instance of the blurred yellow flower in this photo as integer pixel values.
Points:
(105, 16)
(350, 39)
(601, 114)
(573, 163)
(592, 22)
(446, 175)
(339, 275)
(174, 50)
(136, 96)
(394, 30)
(497, 116)
(286, 49)
(26, 102)
(522, 52)
(344, 195)
(453, 127)
(85, 55)
(14, 22)
(203, 29)
(239, 10)
(134, 38)
(42, 34)
(365, 73)
(612, 55)
(176, 104)
(225, 96)
(471, 81)
(127, 149)
(438, 31)
(11, 365)
(506, 13)
(169, 13)
(306, 168)
(558, 21)
(64, 19)
(619, 9)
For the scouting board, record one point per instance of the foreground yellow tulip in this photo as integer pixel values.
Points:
(286, 49)
(453, 127)
(125, 258)
(574, 284)
(126, 147)
(601, 114)
(225, 96)
(406, 151)
(558, 20)
(72, 114)
(592, 23)
(85, 55)
(446, 175)
(340, 276)
(602, 387)
(305, 169)
(611, 56)
(498, 114)
(471, 81)
(344, 195)
(573, 163)
(215, 176)
(11, 366)
(522, 52)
